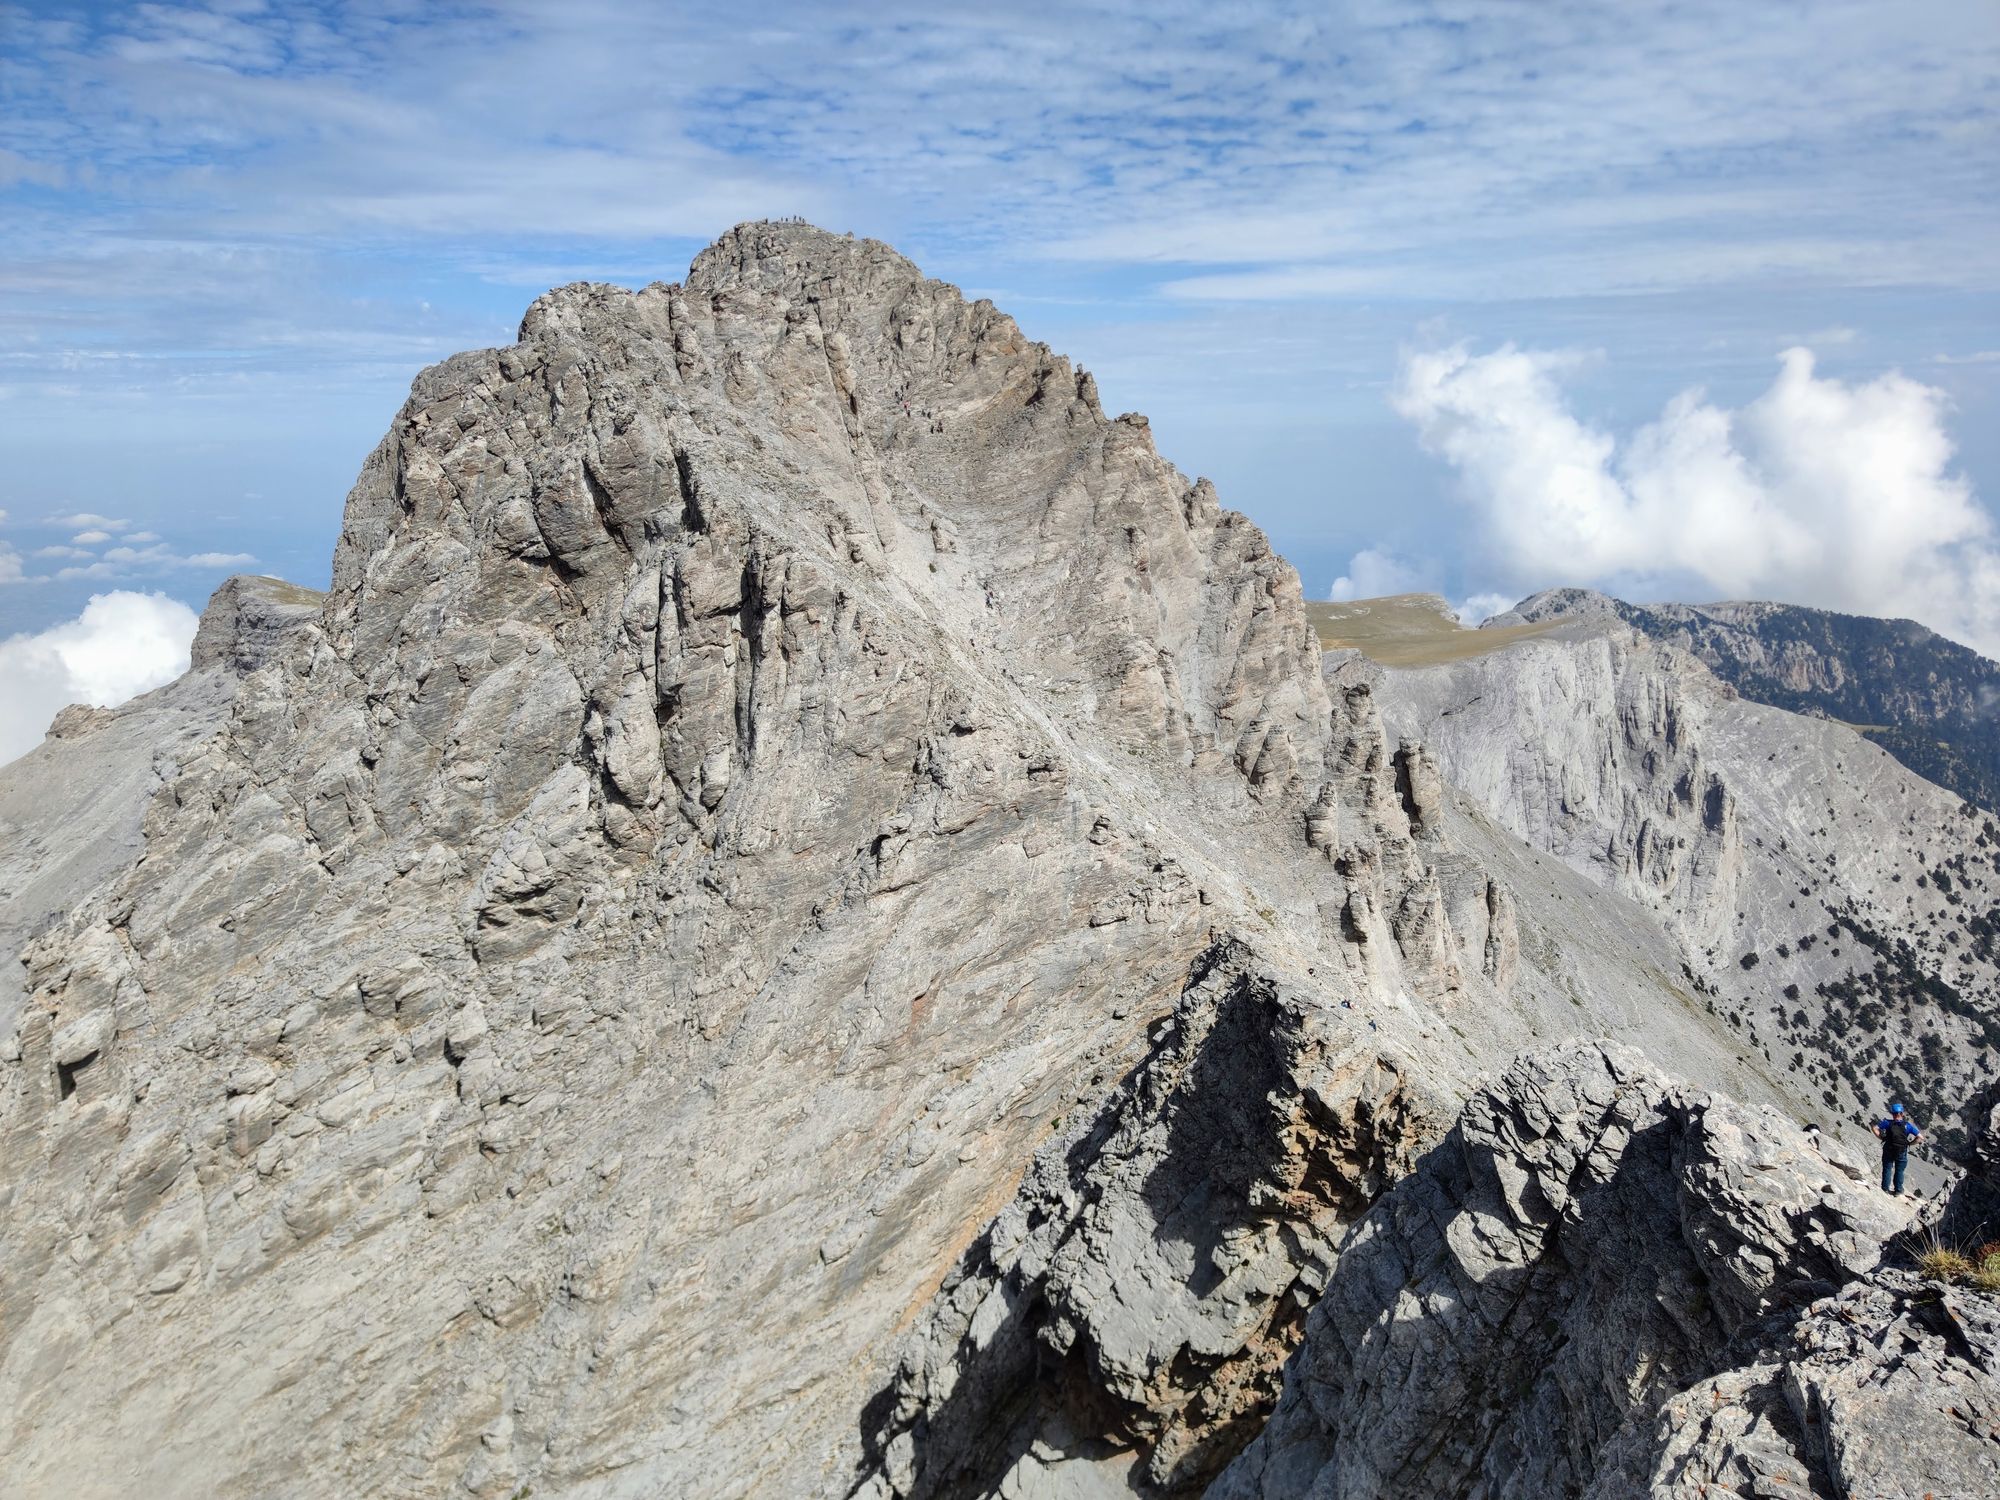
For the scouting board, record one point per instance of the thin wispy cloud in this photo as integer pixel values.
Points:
(154, 559)
(86, 520)
(1352, 148)
(108, 549)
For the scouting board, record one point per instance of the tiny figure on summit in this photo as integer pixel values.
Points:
(1898, 1133)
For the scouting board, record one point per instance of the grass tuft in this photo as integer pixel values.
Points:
(1986, 1267)
(1942, 1263)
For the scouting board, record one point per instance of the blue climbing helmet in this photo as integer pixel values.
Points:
(1895, 1109)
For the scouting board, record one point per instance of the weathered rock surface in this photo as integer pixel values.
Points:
(1130, 1308)
(1836, 910)
(801, 919)
(72, 810)
(249, 622)
(1930, 702)
(772, 746)
(1556, 1302)
(1890, 1388)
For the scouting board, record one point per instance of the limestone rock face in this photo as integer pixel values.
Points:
(72, 810)
(1130, 1308)
(1929, 701)
(772, 746)
(1834, 909)
(803, 919)
(1891, 1387)
(1589, 1242)
(249, 621)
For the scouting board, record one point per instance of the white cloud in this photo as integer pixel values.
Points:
(90, 521)
(10, 564)
(1482, 607)
(89, 538)
(59, 551)
(1371, 573)
(1818, 492)
(156, 557)
(121, 645)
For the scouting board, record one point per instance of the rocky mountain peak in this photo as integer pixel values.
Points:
(247, 622)
(1549, 604)
(771, 752)
(802, 919)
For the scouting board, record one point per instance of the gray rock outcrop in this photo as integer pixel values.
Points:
(1123, 1320)
(1834, 909)
(772, 745)
(249, 623)
(1889, 1388)
(72, 811)
(1605, 1283)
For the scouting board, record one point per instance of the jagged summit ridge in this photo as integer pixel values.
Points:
(801, 920)
(771, 746)
(978, 475)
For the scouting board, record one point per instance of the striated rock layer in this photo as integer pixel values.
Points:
(801, 920)
(1839, 913)
(1928, 701)
(772, 750)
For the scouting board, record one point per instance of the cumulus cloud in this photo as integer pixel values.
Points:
(1372, 572)
(122, 644)
(1819, 491)
(1478, 607)
(90, 538)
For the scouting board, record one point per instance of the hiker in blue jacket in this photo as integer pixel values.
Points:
(1898, 1132)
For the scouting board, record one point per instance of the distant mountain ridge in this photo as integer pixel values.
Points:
(1928, 701)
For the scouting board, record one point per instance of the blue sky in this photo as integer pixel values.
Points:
(230, 234)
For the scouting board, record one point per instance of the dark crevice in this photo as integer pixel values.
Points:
(66, 1073)
(606, 507)
(692, 516)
